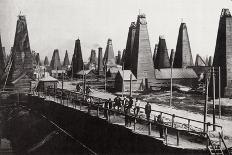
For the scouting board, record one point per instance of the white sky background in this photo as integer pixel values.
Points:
(58, 23)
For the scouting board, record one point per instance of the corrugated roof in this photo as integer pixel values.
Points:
(127, 74)
(82, 72)
(49, 79)
(114, 70)
(58, 71)
(177, 73)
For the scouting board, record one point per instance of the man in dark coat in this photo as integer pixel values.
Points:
(148, 110)
(160, 123)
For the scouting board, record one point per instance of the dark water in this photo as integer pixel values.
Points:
(29, 133)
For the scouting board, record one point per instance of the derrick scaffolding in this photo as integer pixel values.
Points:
(210, 75)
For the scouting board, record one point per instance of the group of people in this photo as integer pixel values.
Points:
(131, 109)
(80, 89)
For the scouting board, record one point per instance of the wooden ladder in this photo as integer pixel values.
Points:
(214, 146)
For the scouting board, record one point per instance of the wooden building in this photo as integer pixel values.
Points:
(126, 75)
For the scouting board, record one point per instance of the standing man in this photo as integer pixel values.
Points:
(148, 110)
(160, 123)
(117, 102)
(106, 107)
(110, 105)
(137, 107)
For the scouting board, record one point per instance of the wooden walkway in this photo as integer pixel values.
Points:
(176, 136)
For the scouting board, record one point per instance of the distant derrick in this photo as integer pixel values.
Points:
(66, 62)
(123, 57)
(142, 63)
(118, 60)
(199, 61)
(2, 60)
(77, 60)
(206, 61)
(183, 56)
(93, 60)
(37, 59)
(172, 55)
(46, 61)
(20, 68)
(33, 53)
(155, 52)
(100, 61)
(162, 59)
(127, 58)
(210, 62)
(4, 56)
(109, 59)
(55, 62)
(223, 55)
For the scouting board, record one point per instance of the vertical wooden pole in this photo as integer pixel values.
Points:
(134, 122)
(206, 102)
(105, 77)
(166, 135)
(149, 128)
(214, 128)
(170, 101)
(72, 71)
(188, 124)
(177, 138)
(173, 117)
(130, 85)
(97, 110)
(62, 91)
(219, 91)
(122, 79)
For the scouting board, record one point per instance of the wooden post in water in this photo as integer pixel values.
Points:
(206, 102)
(219, 91)
(214, 128)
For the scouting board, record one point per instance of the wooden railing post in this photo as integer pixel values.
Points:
(134, 122)
(219, 138)
(108, 113)
(149, 128)
(188, 124)
(166, 135)
(178, 138)
(173, 117)
(80, 103)
(97, 110)
(88, 106)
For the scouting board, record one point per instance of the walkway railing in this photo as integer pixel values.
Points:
(77, 101)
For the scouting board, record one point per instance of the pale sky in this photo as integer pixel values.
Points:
(56, 24)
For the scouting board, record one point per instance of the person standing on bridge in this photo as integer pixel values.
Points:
(117, 102)
(137, 107)
(106, 107)
(110, 105)
(78, 88)
(148, 110)
(89, 103)
(160, 123)
(130, 105)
